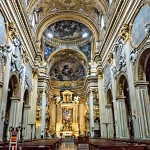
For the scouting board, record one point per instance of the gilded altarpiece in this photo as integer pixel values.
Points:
(67, 115)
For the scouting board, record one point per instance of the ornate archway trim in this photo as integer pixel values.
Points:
(118, 90)
(16, 89)
(141, 50)
(57, 51)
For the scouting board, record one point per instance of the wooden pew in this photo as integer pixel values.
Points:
(83, 143)
(50, 144)
(119, 147)
(97, 144)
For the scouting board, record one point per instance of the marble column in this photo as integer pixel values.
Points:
(143, 105)
(109, 120)
(43, 110)
(122, 117)
(25, 120)
(81, 117)
(101, 105)
(91, 107)
(13, 111)
(53, 117)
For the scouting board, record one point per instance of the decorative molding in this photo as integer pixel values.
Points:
(124, 32)
(12, 30)
(15, 99)
(120, 58)
(141, 83)
(147, 29)
(35, 72)
(110, 58)
(4, 50)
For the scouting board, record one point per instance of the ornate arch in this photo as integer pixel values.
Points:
(120, 83)
(26, 96)
(107, 95)
(78, 51)
(140, 65)
(14, 79)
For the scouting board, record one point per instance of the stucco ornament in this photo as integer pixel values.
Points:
(120, 58)
(133, 55)
(4, 50)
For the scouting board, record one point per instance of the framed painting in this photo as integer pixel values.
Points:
(138, 29)
(67, 115)
(3, 31)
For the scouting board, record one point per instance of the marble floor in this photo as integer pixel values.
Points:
(68, 146)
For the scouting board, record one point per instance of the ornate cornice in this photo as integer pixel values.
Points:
(110, 58)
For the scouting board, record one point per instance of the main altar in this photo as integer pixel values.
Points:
(67, 114)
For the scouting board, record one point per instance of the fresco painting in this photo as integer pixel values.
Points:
(2, 30)
(138, 29)
(67, 69)
(67, 30)
(48, 50)
(86, 49)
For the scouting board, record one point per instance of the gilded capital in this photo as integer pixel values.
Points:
(12, 30)
(35, 72)
(26, 58)
(110, 58)
(124, 32)
(100, 72)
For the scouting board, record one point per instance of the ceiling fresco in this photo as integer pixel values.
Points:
(67, 65)
(47, 6)
(67, 30)
(48, 50)
(86, 49)
(67, 69)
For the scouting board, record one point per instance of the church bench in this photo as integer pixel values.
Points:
(135, 141)
(121, 147)
(51, 143)
(96, 144)
(36, 148)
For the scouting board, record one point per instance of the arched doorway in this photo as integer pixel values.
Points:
(124, 109)
(10, 121)
(110, 113)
